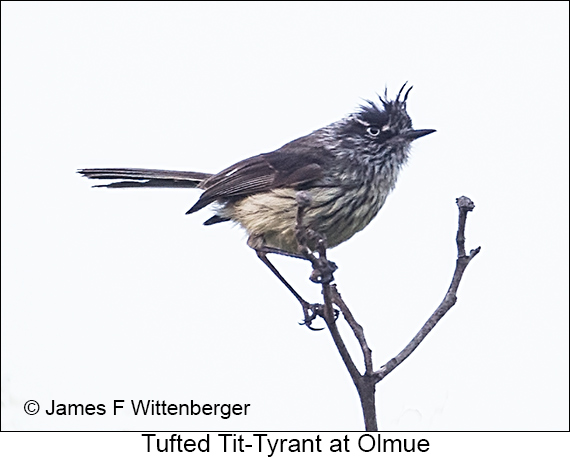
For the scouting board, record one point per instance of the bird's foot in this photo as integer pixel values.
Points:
(312, 311)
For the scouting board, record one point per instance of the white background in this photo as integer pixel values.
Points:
(116, 294)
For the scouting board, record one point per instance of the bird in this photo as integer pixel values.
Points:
(336, 178)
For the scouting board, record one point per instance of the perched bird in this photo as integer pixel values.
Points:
(344, 172)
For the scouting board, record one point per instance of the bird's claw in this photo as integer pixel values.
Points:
(312, 311)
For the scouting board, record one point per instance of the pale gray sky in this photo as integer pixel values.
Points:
(116, 294)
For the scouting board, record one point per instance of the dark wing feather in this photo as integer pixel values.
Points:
(296, 164)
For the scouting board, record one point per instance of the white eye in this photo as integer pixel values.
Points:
(374, 131)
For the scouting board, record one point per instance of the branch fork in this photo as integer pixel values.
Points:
(323, 270)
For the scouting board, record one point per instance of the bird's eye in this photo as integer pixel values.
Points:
(374, 131)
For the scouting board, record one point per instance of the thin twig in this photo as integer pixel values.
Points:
(356, 328)
(365, 384)
(465, 205)
(339, 343)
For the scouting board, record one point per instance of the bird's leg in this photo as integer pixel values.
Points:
(323, 269)
(310, 311)
(270, 250)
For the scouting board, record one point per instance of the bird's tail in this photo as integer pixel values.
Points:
(141, 177)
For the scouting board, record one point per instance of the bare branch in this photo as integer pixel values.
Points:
(365, 384)
(313, 247)
(339, 343)
(465, 205)
(356, 328)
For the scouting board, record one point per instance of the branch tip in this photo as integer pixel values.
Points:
(474, 252)
(465, 203)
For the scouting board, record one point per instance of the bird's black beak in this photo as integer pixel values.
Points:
(415, 134)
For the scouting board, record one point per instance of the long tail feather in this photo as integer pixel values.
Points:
(141, 177)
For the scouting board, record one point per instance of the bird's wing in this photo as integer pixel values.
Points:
(294, 165)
